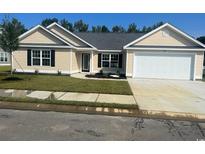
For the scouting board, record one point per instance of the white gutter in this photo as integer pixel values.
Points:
(110, 50)
(161, 48)
(45, 46)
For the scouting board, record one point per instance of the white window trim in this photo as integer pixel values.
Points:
(5, 55)
(105, 60)
(41, 58)
(109, 60)
(46, 57)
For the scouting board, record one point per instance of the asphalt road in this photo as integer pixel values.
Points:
(33, 125)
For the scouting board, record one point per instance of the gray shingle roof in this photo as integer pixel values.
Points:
(108, 41)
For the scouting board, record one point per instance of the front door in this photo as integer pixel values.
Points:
(85, 62)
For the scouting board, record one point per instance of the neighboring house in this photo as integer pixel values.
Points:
(4, 56)
(165, 52)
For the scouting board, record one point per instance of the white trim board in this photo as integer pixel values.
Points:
(56, 24)
(110, 50)
(164, 49)
(157, 29)
(44, 46)
(5, 64)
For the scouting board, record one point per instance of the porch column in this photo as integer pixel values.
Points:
(91, 62)
(71, 52)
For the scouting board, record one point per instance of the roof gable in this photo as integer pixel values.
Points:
(40, 35)
(69, 36)
(166, 35)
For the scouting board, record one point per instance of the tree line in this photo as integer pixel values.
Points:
(81, 26)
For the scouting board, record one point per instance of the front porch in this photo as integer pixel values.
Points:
(81, 62)
(91, 62)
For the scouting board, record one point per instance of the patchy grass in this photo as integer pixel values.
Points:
(63, 83)
(5, 68)
(60, 102)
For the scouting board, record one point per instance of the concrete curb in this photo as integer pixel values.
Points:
(172, 115)
(103, 111)
(69, 108)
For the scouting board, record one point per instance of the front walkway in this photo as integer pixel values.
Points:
(169, 96)
(70, 96)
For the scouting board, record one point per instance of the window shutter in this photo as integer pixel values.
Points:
(120, 60)
(99, 60)
(29, 57)
(52, 58)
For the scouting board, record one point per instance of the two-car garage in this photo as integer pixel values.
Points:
(165, 53)
(164, 65)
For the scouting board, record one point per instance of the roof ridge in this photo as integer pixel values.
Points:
(110, 32)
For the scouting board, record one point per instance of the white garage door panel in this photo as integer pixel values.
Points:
(163, 65)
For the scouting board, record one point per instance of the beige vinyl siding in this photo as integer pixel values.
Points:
(40, 36)
(172, 39)
(129, 63)
(76, 61)
(68, 37)
(199, 65)
(62, 61)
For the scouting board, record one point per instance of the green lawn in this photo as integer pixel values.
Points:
(64, 83)
(5, 68)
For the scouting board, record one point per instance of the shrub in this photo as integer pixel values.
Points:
(59, 72)
(36, 71)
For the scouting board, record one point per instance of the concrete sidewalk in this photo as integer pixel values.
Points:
(70, 96)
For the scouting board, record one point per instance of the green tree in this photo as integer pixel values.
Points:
(80, 26)
(67, 25)
(201, 39)
(100, 29)
(132, 28)
(97, 29)
(157, 25)
(105, 29)
(118, 29)
(144, 29)
(11, 29)
(150, 28)
(48, 21)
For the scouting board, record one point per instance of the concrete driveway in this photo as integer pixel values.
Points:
(169, 95)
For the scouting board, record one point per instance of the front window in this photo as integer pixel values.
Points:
(36, 57)
(110, 60)
(46, 57)
(105, 60)
(3, 57)
(41, 57)
(114, 60)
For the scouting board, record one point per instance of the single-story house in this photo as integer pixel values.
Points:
(165, 53)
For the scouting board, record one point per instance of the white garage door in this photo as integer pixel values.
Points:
(164, 65)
